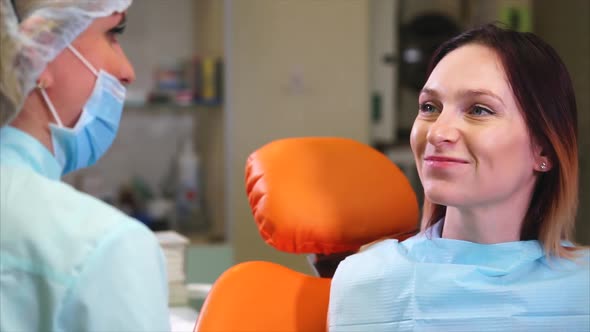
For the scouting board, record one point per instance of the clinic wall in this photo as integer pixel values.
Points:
(162, 33)
(466, 14)
(149, 41)
(566, 26)
(406, 99)
(209, 33)
(383, 75)
(294, 68)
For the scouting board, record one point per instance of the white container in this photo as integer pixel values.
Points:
(188, 195)
(175, 247)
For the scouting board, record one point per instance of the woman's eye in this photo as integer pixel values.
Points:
(114, 33)
(118, 30)
(427, 108)
(479, 111)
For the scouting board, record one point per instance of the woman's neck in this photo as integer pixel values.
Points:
(34, 120)
(493, 223)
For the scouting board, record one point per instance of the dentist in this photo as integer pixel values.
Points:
(68, 262)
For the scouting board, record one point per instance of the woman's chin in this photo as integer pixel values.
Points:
(441, 197)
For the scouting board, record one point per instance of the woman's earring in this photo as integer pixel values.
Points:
(543, 165)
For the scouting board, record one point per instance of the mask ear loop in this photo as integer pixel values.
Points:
(41, 85)
(84, 61)
(41, 88)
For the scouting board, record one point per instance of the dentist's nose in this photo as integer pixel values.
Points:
(126, 72)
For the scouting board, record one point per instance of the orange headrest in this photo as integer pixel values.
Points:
(327, 195)
(264, 296)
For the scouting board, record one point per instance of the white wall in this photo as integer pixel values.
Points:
(294, 68)
(383, 78)
(158, 32)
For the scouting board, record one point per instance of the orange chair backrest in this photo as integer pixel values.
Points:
(265, 297)
(327, 195)
(308, 195)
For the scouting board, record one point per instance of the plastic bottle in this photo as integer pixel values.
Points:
(188, 194)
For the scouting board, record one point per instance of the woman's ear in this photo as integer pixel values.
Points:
(542, 163)
(45, 80)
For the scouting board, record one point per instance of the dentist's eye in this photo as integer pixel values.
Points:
(118, 30)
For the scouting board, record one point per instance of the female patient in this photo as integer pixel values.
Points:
(495, 147)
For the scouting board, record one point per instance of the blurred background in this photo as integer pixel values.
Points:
(217, 79)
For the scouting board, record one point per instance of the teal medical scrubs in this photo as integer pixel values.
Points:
(69, 262)
(428, 283)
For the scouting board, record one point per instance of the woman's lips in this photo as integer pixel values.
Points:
(444, 161)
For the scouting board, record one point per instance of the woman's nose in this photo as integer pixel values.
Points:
(126, 71)
(443, 130)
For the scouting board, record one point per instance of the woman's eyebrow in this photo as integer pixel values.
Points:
(117, 19)
(429, 91)
(123, 19)
(465, 93)
(480, 92)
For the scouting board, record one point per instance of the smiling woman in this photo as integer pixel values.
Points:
(495, 147)
(467, 122)
(523, 146)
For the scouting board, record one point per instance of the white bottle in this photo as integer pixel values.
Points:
(188, 195)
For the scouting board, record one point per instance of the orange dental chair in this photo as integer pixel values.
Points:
(323, 196)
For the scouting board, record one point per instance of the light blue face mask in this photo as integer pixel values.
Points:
(95, 131)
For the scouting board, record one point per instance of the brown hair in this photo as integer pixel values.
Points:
(543, 90)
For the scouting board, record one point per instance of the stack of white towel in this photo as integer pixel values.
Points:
(175, 246)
